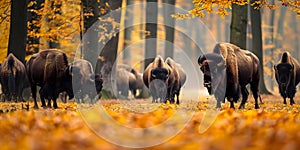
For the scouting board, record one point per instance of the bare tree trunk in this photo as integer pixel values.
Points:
(280, 31)
(151, 27)
(169, 9)
(270, 41)
(257, 45)
(238, 27)
(18, 29)
(90, 38)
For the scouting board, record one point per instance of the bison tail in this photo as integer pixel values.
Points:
(11, 82)
(11, 76)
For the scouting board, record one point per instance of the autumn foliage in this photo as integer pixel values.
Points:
(273, 126)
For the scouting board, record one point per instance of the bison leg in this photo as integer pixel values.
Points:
(49, 103)
(42, 96)
(177, 98)
(55, 104)
(254, 89)
(284, 100)
(33, 91)
(245, 94)
(232, 104)
(292, 102)
(218, 104)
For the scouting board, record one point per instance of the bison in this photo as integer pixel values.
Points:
(133, 80)
(180, 76)
(160, 78)
(287, 74)
(49, 69)
(13, 77)
(232, 69)
(85, 80)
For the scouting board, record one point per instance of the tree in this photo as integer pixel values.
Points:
(18, 29)
(91, 12)
(169, 9)
(129, 28)
(151, 28)
(257, 45)
(238, 27)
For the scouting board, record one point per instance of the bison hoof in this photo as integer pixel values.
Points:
(242, 107)
(35, 107)
(256, 107)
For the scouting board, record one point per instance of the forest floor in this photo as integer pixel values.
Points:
(273, 126)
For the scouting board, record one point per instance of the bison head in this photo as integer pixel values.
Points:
(212, 66)
(160, 73)
(66, 82)
(283, 73)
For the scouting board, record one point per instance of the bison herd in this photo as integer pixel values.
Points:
(226, 73)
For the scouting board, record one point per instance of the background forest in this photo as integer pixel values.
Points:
(267, 28)
(62, 24)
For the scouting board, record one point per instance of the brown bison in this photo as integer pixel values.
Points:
(231, 69)
(129, 77)
(287, 73)
(13, 77)
(49, 69)
(160, 78)
(180, 76)
(85, 80)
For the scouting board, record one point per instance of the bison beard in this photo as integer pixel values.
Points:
(242, 68)
(287, 74)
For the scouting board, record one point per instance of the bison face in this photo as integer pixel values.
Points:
(283, 73)
(160, 73)
(66, 84)
(212, 66)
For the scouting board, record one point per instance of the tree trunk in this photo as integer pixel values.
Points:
(18, 29)
(238, 27)
(90, 39)
(169, 22)
(270, 41)
(128, 30)
(151, 27)
(33, 42)
(280, 27)
(257, 45)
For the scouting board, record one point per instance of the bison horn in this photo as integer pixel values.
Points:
(153, 75)
(275, 67)
(70, 70)
(92, 77)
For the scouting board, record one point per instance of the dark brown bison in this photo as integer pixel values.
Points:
(85, 82)
(231, 69)
(13, 77)
(287, 73)
(49, 69)
(179, 75)
(160, 78)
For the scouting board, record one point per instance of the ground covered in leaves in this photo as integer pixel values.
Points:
(273, 126)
